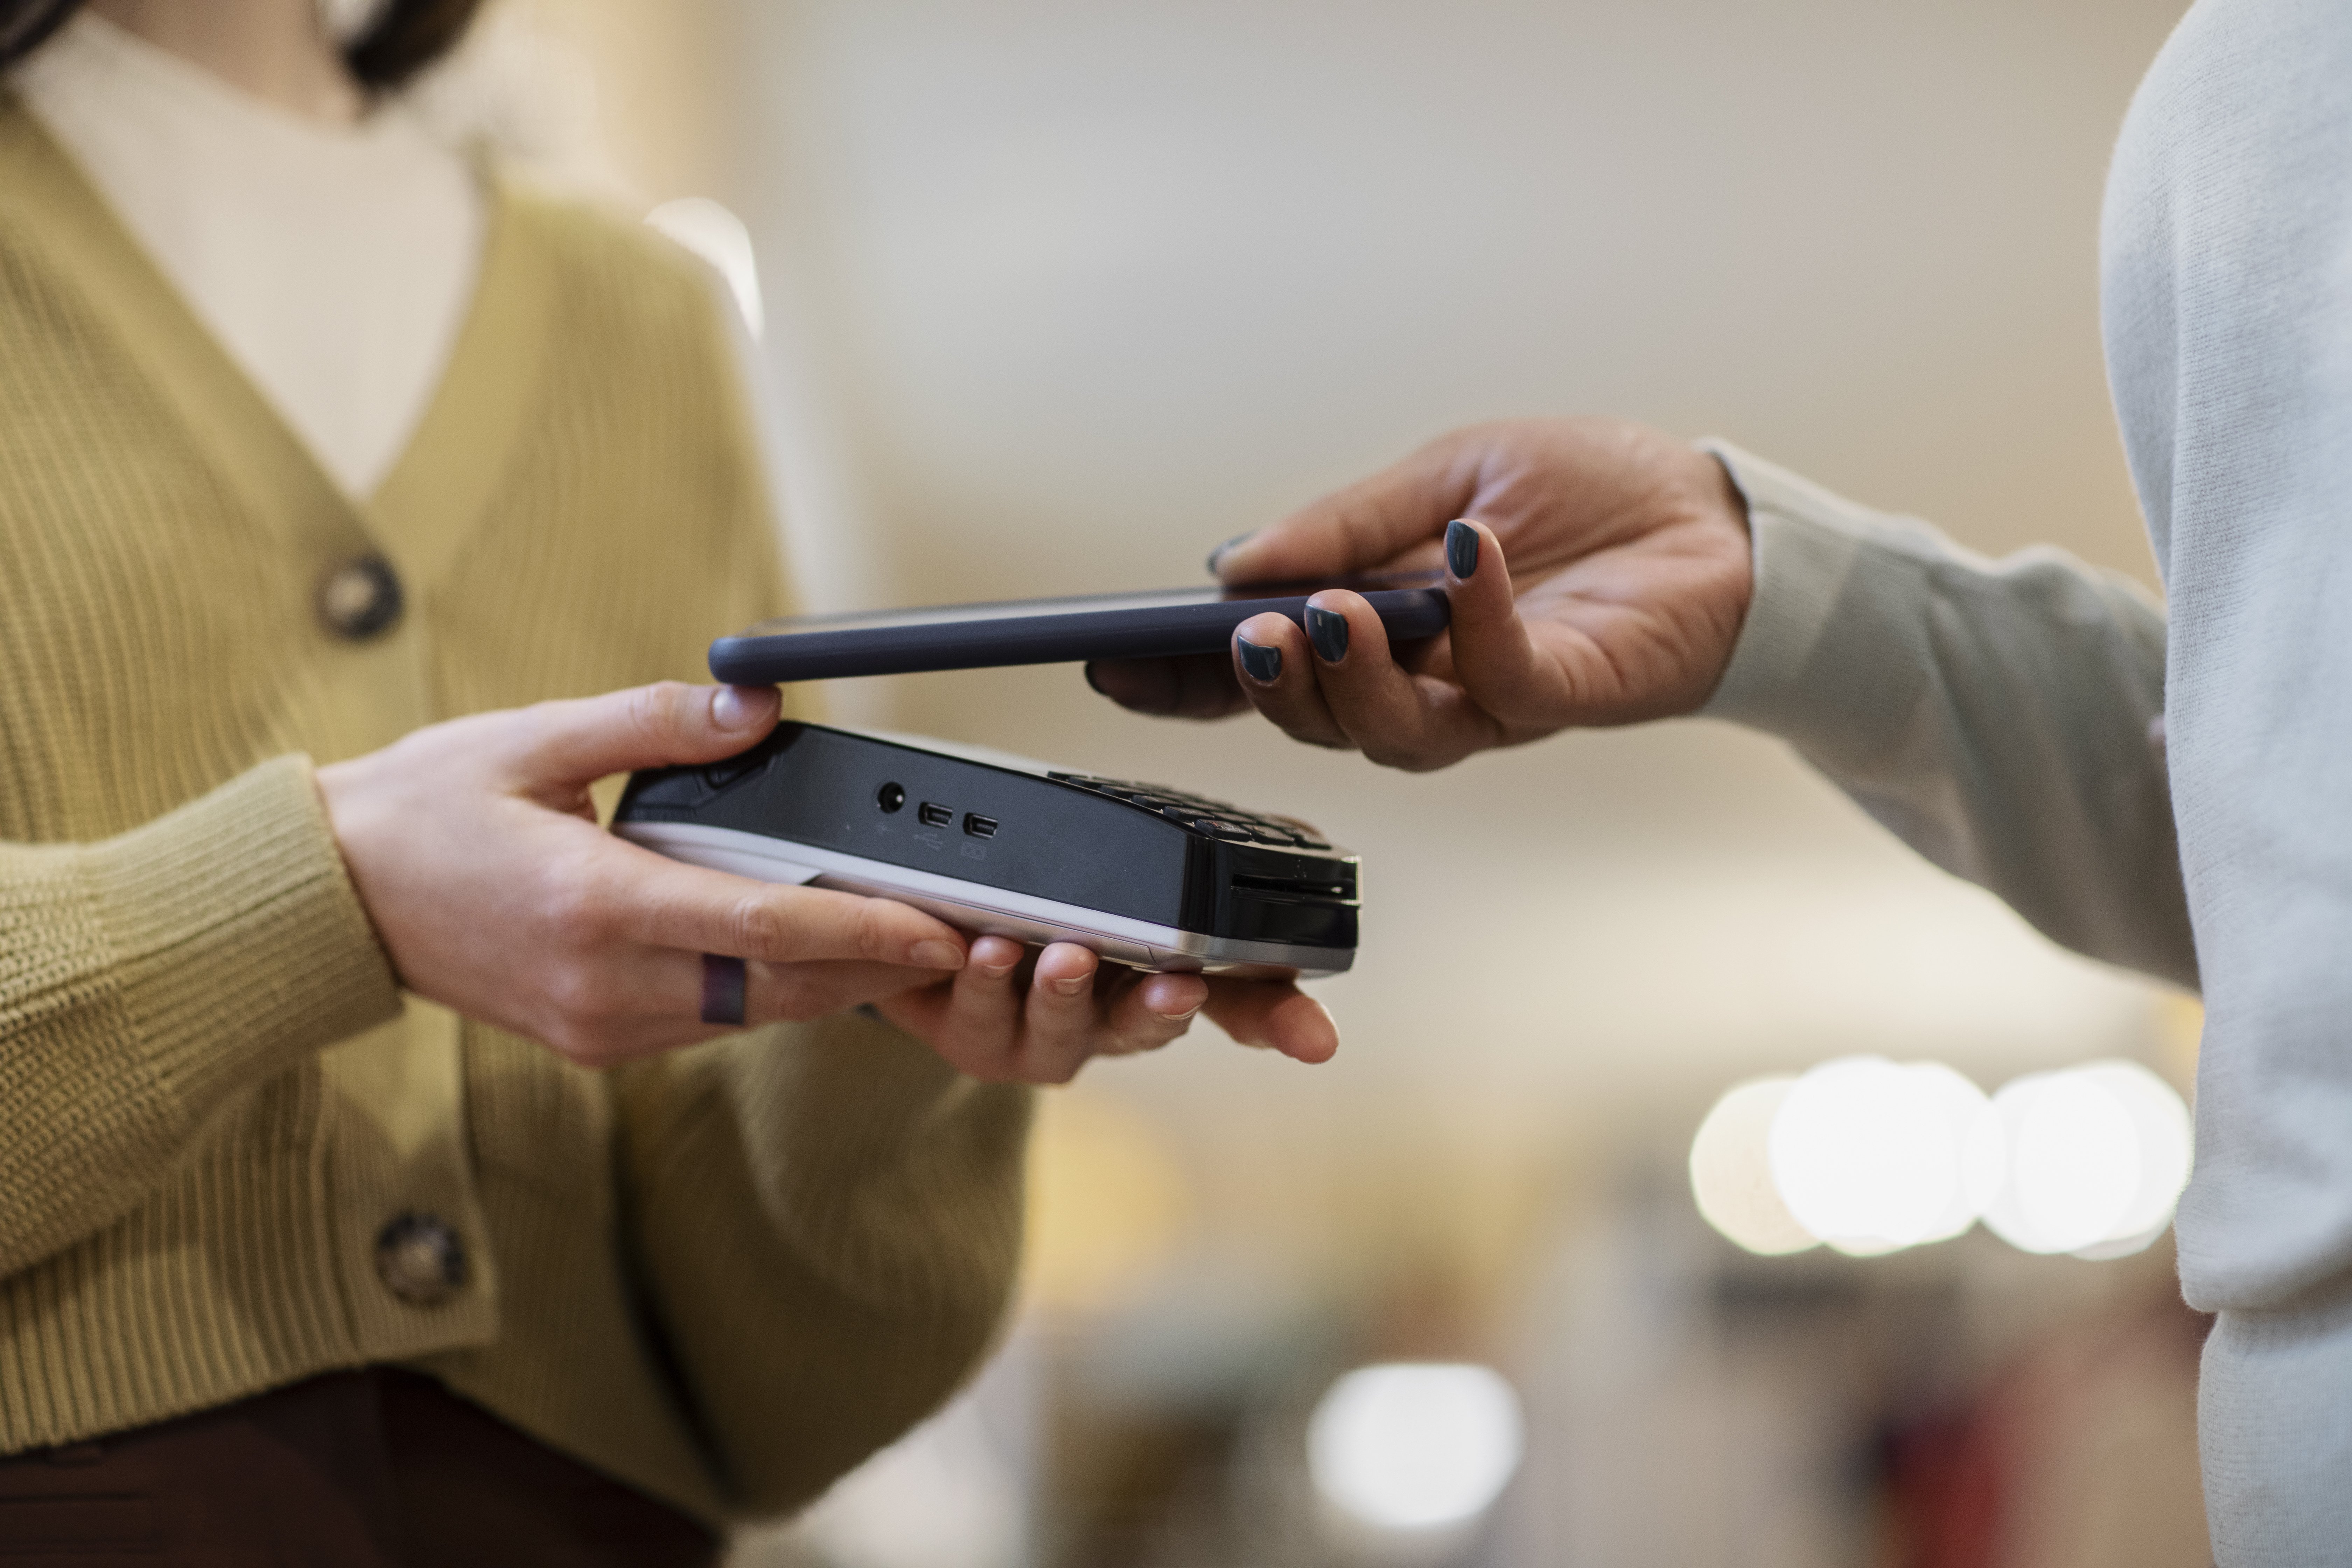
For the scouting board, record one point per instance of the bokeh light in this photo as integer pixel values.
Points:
(2097, 1157)
(1872, 1156)
(1416, 1445)
(1983, 1151)
(1732, 1174)
(1866, 1155)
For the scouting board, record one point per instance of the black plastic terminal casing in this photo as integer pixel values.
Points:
(1063, 837)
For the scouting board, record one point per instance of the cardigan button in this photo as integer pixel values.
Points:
(420, 1258)
(360, 598)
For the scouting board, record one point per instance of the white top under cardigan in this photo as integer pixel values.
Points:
(335, 264)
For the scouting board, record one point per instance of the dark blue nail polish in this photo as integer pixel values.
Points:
(1262, 664)
(1327, 630)
(1219, 552)
(1461, 550)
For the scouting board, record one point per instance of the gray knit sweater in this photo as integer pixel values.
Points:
(2004, 716)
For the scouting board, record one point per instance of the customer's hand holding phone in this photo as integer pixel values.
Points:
(1598, 572)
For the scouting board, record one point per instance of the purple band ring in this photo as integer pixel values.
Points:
(723, 984)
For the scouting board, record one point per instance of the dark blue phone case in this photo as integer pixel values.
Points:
(1045, 631)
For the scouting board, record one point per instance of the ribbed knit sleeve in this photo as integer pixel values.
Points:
(829, 1221)
(1999, 716)
(148, 979)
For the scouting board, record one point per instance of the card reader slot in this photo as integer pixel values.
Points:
(1293, 886)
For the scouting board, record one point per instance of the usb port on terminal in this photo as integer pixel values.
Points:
(930, 814)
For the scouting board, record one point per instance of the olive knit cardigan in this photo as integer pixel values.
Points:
(724, 1275)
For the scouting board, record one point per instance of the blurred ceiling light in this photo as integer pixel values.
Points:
(1873, 1157)
(1732, 1174)
(2166, 1149)
(1983, 1153)
(1868, 1155)
(1416, 1445)
(2098, 1156)
(719, 236)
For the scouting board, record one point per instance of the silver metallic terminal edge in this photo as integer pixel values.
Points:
(1020, 916)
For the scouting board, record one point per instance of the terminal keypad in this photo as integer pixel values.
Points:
(1217, 818)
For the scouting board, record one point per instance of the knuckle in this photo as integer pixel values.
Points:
(875, 939)
(758, 927)
(577, 912)
(578, 995)
(648, 712)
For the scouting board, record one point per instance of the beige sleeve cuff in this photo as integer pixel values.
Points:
(146, 980)
(1829, 655)
(235, 938)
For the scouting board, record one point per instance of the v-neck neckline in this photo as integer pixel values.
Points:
(445, 478)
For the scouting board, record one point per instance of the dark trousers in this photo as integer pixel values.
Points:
(363, 1470)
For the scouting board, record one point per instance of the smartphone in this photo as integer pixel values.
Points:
(1161, 624)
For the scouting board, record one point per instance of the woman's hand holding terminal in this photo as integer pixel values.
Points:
(1012, 1014)
(475, 848)
(1598, 572)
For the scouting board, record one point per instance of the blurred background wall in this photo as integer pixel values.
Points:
(1058, 295)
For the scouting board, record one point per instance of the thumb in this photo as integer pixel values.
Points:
(586, 739)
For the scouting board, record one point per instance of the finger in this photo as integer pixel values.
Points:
(1273, 1013)
(1395, 717)
(978, 1028)
(1150, 1012)
(579, 740)
(1200, 686)
(1365, 525)
(1272, 662)
(1057, 1027)
(642, 1001)
(646, 898)
(779, 992)
(1493, 656)
(648, 983)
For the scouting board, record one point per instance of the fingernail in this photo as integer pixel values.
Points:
(737, 707)
(1219, 552)
(1073, 984)
(938, 955)
(1262, 664)
(1183, 1016)
(1461, 550)
(1327, 630)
